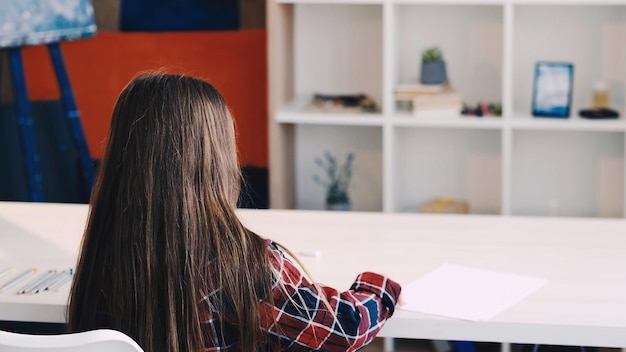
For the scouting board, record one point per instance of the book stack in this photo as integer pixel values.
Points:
(429, 100)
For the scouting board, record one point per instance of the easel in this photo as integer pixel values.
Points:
(25, 121)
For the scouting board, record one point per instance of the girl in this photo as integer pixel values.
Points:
(164, 258)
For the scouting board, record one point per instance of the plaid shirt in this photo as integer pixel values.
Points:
(298, 320)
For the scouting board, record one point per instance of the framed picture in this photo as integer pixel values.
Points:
(552, 90)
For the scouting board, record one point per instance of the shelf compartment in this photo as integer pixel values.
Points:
(593, 38)
(527, 122)
(296, 112)
(447, 163)
(455, 122)
(472, 46)
(338, 50)
(567, 173)
(313, 141)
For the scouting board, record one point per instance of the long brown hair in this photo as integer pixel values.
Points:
(162, 229)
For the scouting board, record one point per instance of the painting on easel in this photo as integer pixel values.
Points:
(32, 22)
(36, 22)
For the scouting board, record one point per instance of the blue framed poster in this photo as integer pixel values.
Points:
(552, 91)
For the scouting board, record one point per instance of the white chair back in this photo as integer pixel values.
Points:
(90, 341)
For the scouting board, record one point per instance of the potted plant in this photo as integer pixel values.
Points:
(433, 67)
(336, 181)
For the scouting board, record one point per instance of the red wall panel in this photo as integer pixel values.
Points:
(235, 62)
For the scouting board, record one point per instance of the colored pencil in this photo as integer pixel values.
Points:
(6, 272)
(23, 276)
(61, 283)
(31, 287)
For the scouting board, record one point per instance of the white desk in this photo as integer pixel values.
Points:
(584, 302)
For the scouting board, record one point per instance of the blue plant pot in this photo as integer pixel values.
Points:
(338, 201)
(433, 73)
(341, 206)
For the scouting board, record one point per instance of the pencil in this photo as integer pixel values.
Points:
(32, 283)
(6, 272)
(61, 283)
(31, 287)
(54, 280)
(23, 276)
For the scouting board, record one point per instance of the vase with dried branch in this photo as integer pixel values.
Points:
(336, 180)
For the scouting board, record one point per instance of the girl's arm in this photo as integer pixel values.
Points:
(299, 319)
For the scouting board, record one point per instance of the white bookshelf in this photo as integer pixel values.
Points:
(515, 164)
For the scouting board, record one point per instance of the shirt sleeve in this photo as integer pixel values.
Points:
(300, 321)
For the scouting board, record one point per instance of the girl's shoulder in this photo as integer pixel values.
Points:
(274, 249)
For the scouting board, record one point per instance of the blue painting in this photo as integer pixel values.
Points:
(32, 22)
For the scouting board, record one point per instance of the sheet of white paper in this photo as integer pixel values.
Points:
(467, 293)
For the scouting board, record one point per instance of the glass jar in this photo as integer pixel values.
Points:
(600, 95)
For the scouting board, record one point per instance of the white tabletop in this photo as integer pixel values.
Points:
(584, 260)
